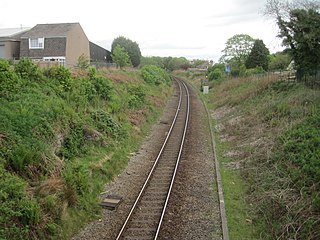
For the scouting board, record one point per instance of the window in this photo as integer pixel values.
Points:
(36, 43)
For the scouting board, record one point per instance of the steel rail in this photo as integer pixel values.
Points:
(178, 160)
(156, 163)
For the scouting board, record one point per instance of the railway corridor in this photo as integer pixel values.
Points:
(191, 210)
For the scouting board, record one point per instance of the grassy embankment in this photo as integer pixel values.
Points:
(268, 143)
(63, 135)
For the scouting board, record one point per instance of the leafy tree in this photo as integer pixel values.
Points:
(259, 56)
(120, 57)
(299, 28)
(237, 48)
(216, 72)
(132, 48)
(279, 61)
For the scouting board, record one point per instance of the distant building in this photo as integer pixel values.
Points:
(10, 42)
(99, 54)
(60, 43)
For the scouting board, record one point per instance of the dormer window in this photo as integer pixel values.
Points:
(36, 43)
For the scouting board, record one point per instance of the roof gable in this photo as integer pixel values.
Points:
(11, 32)
(50, 30)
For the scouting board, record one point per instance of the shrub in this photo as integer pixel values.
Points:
(73, 143)
(104, 87)
(18, 211)
(137, 96)
(60, 75)
(254, 71)
(301, 148)
(27, 70)
(154, 75)
(105, 123)
(9, 81)
(215, 74)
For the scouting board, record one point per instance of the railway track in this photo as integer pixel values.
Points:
(145, 217)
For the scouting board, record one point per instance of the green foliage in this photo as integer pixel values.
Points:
(300, 149)
(83, 62)
(154, 75)
(238, 47)
(120, 57)
(157, 61)
(9, 81)
(137, 96)
(18, 211)
(106, 124)
(132, 48)
(254, 71)
(279, 61)
(103, 86)
(216, 72)
(28, 70)
(46, 127)
(61, 76)
(167, 63)
(259, 56)
(73, 144)
(273, 128)
(302, 34)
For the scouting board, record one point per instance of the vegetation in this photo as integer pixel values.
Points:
(120, 57)
(299, 28)
(132, 48)
(237, 49)
(167, 63)
(268, 144)
(279, 61)
(259, 56)
(63, 135)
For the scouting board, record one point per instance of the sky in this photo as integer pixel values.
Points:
(195, 29)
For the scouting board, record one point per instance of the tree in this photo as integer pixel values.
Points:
(279, 61)
(237, 48)
(299, 28)
(132, 48)
(259, 56)
(120, 57)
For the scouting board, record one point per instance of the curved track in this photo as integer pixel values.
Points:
(146, 215)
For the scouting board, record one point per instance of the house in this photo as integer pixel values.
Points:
(62, 42)
(99, 54)
(10, 42)
(50, 44)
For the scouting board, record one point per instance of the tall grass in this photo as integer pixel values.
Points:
(63, 135)
(271, 136)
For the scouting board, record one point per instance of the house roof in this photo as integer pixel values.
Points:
(50, 30)
(11, 32)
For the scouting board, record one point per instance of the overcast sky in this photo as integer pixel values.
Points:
(192, 29)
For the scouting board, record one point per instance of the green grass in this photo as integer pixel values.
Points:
(268, 147)
(63, 136)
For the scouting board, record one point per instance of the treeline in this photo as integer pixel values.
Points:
(298, 22)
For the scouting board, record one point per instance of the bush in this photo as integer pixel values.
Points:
(61, 76)
(18, 211)
(73, 144)
(155, 75)
(254, 71)
(105, 123)
(9, 81)
(215, 74)
(103, 86)
(137, 96)
(27, 70)
(301, 148)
